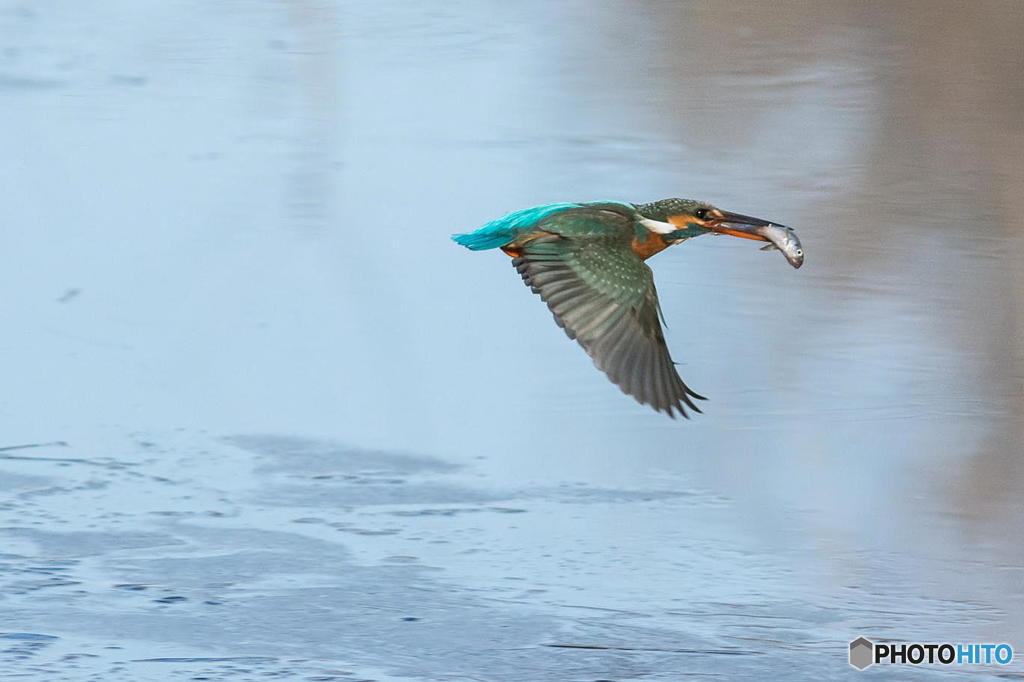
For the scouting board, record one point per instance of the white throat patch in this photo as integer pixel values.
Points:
(658, 226)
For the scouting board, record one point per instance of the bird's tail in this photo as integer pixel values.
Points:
(480, 240)
(507, 228)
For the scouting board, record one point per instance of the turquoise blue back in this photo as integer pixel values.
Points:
(507, 229)
(511, 227)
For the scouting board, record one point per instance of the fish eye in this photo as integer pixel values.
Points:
(701, 213)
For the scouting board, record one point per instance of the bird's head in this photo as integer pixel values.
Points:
(684, 218)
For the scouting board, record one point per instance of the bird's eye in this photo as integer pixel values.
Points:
(701, 213)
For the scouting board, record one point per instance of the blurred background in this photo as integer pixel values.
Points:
(281, 426)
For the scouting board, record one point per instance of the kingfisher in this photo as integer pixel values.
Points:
(586, 261)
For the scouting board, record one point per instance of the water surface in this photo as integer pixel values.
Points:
(295, 432)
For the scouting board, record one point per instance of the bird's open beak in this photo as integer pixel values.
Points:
(780, 236)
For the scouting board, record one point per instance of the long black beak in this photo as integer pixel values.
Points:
(744, 226)
(779, 236)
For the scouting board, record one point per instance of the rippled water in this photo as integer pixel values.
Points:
(288, 430)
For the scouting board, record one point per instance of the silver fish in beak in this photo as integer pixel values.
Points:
(779, 236)
(784, 239)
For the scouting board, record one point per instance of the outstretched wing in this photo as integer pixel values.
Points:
(603, 295)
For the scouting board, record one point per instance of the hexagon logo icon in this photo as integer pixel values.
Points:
(862, 653)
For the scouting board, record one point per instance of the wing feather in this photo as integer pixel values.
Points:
(603, 296)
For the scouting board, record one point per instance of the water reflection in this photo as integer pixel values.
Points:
(255, 215)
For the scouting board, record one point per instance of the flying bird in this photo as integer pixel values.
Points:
(586, 261)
